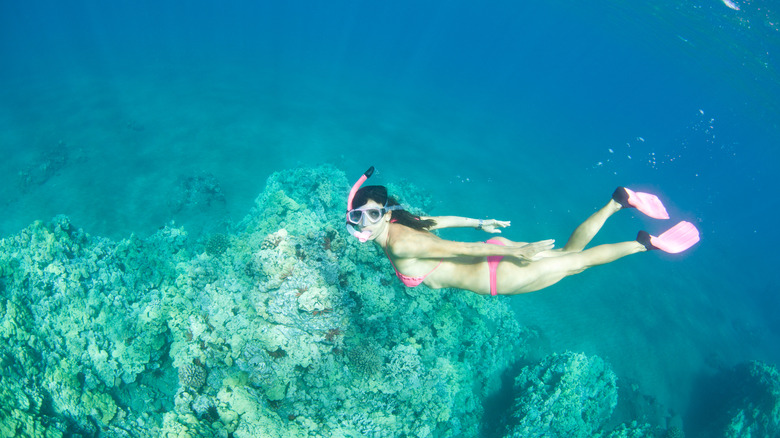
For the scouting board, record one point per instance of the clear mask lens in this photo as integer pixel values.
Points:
(371, 215)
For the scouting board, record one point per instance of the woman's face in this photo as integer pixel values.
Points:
(367, 223)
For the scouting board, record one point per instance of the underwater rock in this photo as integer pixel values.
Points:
(756, 411)
(635, 430)
(23, 410)
(565, 395)
(44, 167)
(79, 316)
(636, 407)
(739, 402)
(197, 193)
(303, 330)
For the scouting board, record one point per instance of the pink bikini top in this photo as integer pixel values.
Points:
(410, 281)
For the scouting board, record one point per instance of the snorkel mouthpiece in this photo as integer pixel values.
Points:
(362, 236)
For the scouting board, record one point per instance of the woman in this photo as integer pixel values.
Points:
(498, 265)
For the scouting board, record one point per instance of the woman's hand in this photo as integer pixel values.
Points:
(531, 251)
(493, 226)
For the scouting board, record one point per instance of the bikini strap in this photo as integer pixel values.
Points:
(391, 261)
(405, 278)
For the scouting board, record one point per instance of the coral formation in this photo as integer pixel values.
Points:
(217, 244)
(741, 401)
(566, 394)
(282, 326)
(674, 432)
(192, 376)
(634, 430)
(570, 395)
(756, 411)
(365, 359)
(301, 329)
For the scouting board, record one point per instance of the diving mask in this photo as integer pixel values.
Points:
(365, 215)
(368, 215)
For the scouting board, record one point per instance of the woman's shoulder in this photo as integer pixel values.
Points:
(405, 242)
(402, 232)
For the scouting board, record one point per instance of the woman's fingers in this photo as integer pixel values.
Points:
(493, 226)
(544, 245)
(530, 250)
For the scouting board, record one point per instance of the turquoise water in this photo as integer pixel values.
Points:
(118, 117)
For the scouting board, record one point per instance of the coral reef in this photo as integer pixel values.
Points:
(365, 359)
(756, 410)
(217, 244)
(739, 402)
(192, 376)
(80, 316)
(634, 430)
(284, 327)
(674, 432)
(567, 395)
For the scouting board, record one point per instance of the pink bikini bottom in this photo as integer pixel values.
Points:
(493, 265)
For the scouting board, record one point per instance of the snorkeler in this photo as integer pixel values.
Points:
(499, 265)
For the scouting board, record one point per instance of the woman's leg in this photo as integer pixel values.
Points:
(546, 272)
(583, 234)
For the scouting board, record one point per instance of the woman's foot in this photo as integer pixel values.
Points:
(645, 202)
(676, 239)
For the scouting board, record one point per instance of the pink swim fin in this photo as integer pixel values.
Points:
(645, 202)
(676, 239)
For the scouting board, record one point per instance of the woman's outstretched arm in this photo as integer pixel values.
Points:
(488, 225)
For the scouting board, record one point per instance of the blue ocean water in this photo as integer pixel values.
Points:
(525, 112)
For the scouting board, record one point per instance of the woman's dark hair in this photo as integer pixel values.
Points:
(403, 217)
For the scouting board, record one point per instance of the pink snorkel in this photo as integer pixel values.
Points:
(361, 235)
